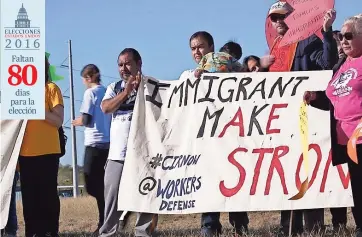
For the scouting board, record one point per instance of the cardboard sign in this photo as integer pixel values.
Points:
(306, 19)
(270, 32)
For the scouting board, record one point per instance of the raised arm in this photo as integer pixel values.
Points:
(325, 53)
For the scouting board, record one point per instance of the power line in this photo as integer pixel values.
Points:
(67, 97)
(67, 121)
(77, 70)
(64, 60)
(66, 91)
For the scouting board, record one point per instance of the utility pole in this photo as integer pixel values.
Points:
(72, 116)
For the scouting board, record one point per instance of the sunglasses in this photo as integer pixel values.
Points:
(276, 17)
(347, 36)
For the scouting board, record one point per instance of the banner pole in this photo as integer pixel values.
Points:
(290, 223)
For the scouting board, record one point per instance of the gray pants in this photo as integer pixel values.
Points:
(146, 222)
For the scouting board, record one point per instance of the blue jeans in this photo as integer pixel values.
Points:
(12, 224)
(211, 226)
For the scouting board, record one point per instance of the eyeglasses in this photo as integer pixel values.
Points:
(347, 36)
(275, 17)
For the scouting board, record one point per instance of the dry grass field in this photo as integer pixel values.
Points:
(79, 218)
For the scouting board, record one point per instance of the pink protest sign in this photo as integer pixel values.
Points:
(306, 20)
(270, 32)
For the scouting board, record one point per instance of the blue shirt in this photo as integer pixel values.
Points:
(98, 130)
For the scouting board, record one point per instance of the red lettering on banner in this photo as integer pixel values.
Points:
(229, 192)
(318, 151)
(261, 152)
(325, 172)
(236, 121)
(276, 164)
(272, 116)
(344, 178)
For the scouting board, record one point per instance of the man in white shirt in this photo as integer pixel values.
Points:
(119, 101)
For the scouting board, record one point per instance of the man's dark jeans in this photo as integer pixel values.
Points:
(211, 226)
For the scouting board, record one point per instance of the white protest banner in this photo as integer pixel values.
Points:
(11, 137)
(229, 142)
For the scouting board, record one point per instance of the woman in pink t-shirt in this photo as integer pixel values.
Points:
(343, 98)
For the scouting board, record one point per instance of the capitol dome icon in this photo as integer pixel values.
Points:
(22, 20)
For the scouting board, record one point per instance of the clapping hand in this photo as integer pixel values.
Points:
(133, 83)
